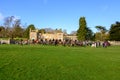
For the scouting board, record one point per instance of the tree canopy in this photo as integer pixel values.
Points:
(89, 34)
(115, 32)
(101, 35)
(81, 32)
(27, 31)
(101, 29)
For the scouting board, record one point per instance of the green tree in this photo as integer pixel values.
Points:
(101, 34)
(82, 32)
(27, 31)
(2, 31)
(115, 32)
(101, 29)
(42, 31)
(97, 36)
(8, 24)
(89, 34)
(17, 30)
(12, 27)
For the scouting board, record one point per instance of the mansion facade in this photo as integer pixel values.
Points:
(56, 34)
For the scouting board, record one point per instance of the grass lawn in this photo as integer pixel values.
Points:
(35, 62)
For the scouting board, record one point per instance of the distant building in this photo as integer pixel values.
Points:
(71, 37)
(51, 36)
(56, 34)
(33, 34)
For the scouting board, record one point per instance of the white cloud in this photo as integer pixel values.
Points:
(1, 17)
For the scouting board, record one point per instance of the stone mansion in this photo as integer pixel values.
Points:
(56, 34)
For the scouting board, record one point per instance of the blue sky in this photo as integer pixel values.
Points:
(63, 14)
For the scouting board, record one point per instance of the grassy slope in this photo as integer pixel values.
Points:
(59, 63)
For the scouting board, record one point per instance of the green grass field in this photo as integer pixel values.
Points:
(35, 62)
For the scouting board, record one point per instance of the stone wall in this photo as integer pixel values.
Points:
(4, 41)
(115, 43)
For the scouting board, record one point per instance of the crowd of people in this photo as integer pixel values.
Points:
(66, 42)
